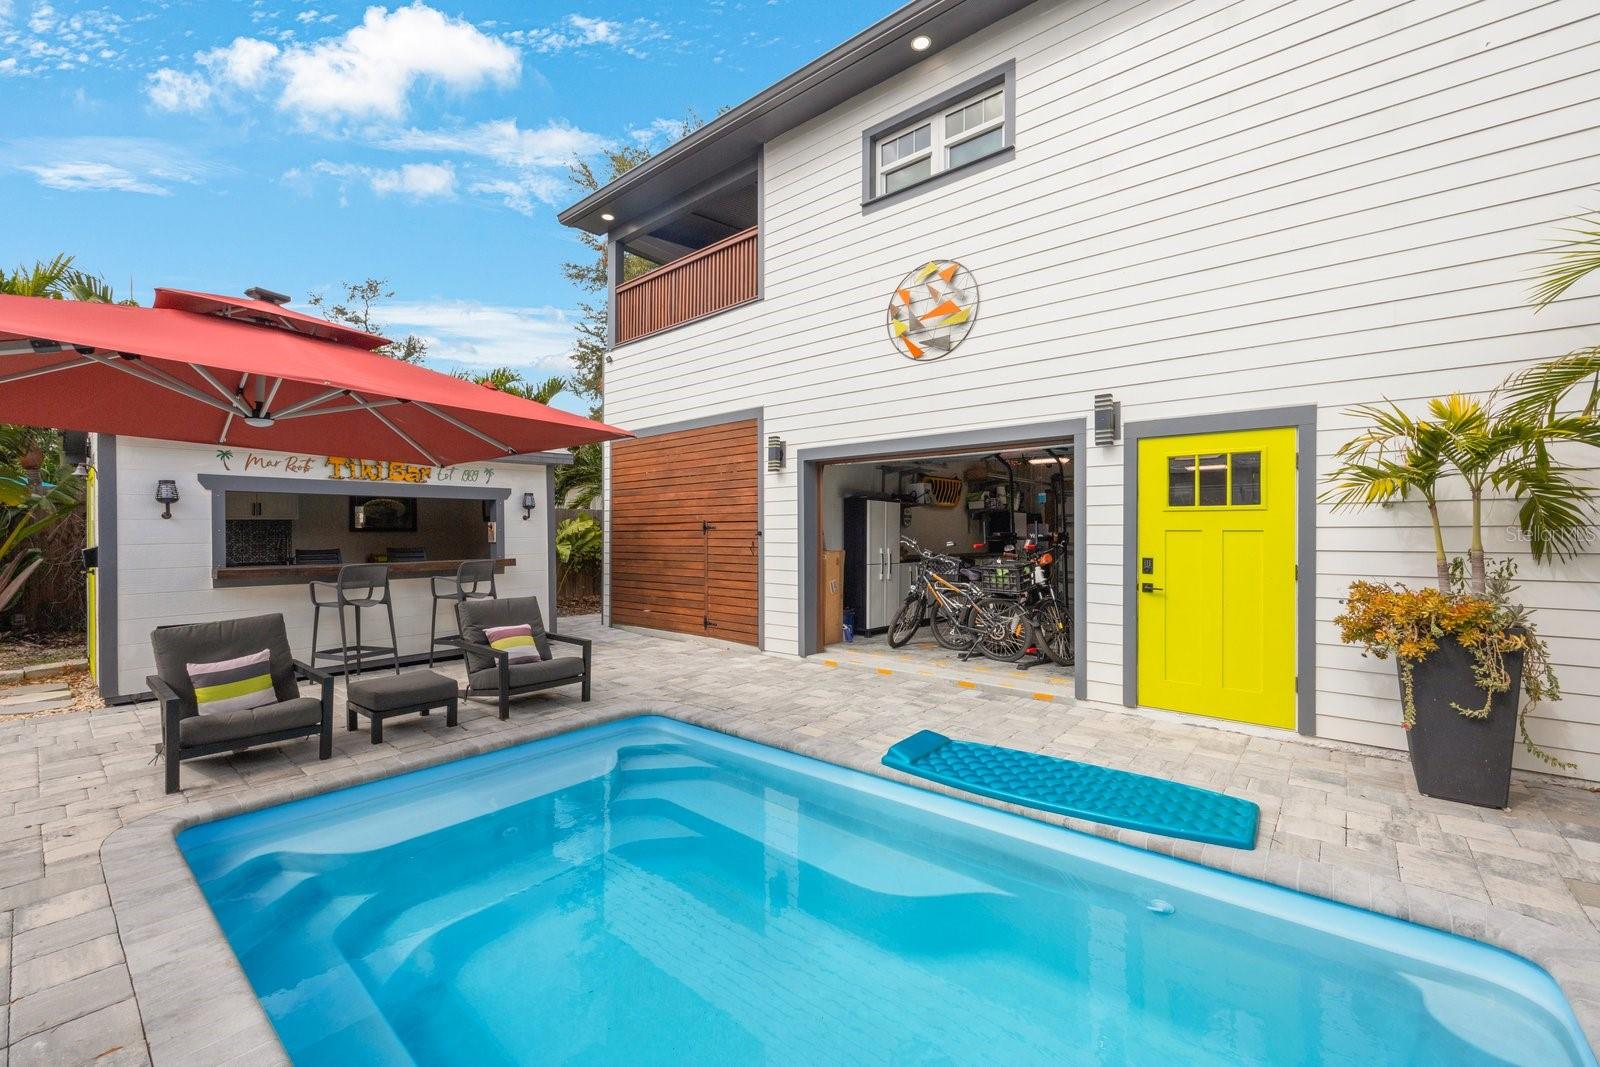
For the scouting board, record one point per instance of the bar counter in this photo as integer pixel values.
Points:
(292, 573)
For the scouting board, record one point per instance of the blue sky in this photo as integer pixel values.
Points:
(220, 144)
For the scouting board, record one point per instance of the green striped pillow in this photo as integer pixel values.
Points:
(233, 684)
(516, 640)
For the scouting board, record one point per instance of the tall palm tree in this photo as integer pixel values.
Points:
(1395, 457)
(508, 380)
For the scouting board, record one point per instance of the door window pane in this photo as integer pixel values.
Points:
(1180, 481)
(1246, 477)
(1213, 480)
(977, 147)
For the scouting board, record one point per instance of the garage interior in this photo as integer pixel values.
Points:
(975, 505)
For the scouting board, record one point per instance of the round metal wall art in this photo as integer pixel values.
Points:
(932, 310)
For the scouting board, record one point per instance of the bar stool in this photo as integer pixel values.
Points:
(468, 584)
(359, 586)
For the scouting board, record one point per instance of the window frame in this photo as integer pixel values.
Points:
(935, 112)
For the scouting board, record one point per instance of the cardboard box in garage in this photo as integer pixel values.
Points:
(832, 596)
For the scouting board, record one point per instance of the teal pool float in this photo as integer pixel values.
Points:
(1081, 790)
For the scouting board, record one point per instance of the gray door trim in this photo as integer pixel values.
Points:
(1302, 419)
(699, 422)
(808, 461)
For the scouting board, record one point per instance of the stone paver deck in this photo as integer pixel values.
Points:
(105, 940)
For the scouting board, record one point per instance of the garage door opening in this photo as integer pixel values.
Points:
(979, 519)
(685, 536)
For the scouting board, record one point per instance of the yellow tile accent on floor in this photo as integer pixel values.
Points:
(966, 685)
(1044, 696)
(884, 670)
(830, 663)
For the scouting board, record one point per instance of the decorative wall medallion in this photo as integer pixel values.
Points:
(933, 309)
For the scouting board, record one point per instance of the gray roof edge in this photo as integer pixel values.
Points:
(895, 24)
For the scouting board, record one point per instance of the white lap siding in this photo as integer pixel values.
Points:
(1213, 207)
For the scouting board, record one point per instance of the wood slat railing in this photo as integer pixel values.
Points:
(705, 281)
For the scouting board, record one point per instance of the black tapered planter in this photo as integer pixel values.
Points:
(1454, 757)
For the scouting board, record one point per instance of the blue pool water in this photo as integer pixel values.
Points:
(651, 893)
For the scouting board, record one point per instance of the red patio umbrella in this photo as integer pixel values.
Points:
(251, 373)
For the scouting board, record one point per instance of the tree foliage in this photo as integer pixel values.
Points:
(589, 275)
(356, 309)
(510, 380)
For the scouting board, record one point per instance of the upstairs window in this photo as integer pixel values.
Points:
(969, 124)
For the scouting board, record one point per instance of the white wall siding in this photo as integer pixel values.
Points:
(1214, 207)
(164, 566)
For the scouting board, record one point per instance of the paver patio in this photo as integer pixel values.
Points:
(1338, 821)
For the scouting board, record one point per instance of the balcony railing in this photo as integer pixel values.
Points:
(705, 281)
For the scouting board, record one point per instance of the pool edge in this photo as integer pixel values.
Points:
(174, 946)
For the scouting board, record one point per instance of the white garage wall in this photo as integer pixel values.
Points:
(1214, 207)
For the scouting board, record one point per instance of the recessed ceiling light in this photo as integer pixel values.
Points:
(921, 42)
(608, 217)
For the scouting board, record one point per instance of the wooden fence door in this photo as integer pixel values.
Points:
(684, 531)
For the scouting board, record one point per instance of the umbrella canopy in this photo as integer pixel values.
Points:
(252, 374)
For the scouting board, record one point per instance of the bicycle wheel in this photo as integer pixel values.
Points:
(950, 633)
(1052, 633)
(1001, 628)
(905, 622)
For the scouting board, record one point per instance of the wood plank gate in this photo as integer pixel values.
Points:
(685, 535)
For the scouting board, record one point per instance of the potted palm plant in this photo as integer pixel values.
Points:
(1469, 658)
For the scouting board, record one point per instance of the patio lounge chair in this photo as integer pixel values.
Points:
(187, 732)
(492, 670)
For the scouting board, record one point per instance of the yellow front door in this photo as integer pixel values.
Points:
(1215, 575)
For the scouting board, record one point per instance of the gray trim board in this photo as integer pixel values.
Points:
(105, 586)
(1004, 75)
(1302, 419)
(870, 58)
(808, 464)
(220, 484)
(551, 602)
(700, 422)
(535, 459)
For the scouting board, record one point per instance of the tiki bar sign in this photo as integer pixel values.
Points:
(348, 469)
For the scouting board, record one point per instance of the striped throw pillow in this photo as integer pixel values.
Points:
(233, 684)
(515, 640)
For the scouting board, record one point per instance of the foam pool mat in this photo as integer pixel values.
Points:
(1080, 790)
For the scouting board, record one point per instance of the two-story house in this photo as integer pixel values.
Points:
(1112, 272)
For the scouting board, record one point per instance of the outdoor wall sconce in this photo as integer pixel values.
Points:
(1107, 419)
(166, 495)
(529, 502)
(774, 454)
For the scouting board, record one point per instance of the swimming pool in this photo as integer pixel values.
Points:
(651, 892)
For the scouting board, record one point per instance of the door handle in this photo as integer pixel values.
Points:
(1146, 587)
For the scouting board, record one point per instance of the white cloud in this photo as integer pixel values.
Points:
(245, 64)
(536, 340)
(523, 193)
(83, 176)
(554, 144)
(660, 132)
(369, 72)
(420, 181)
(585, 31)
(175, 90)
(6, 10)
(119, 164)
(49, 40)
(417, 181)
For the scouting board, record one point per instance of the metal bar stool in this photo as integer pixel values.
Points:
(468, 584)
(358, 586)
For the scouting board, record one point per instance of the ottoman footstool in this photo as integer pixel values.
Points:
(399, 694)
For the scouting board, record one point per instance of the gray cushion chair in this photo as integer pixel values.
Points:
(186, 732)
(491, 672)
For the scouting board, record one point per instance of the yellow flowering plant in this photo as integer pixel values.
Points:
(1392, 619)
